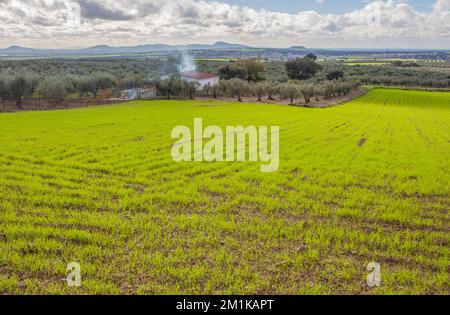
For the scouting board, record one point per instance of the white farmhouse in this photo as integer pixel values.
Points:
(202, 78)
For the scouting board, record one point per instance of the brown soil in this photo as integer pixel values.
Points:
(322, 103)
(43, 104)
(362, 142)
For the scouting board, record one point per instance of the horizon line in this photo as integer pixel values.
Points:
(250, 46)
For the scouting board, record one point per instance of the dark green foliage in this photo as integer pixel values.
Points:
(311, 57)
(399, 63)
(252, 70)
(335, 75)
(397, 76)
(232, 71)
(255, 69)
(302, 68)
(172, 64)
(139, 70)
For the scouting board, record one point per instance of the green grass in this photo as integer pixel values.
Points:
(367, 181)
(216, 59)
(366, 63)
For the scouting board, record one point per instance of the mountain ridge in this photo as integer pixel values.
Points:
(105, 49)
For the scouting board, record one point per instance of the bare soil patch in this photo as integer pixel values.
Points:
(362, 142)
(320, 103)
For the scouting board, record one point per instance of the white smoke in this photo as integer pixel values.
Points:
(187, 64)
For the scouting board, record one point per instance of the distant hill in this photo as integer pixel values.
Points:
(224, 45)
(18, 50)
(106, 49)
(298, 48)
(99, 47)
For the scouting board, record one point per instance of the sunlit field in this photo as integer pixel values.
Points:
(364, 182)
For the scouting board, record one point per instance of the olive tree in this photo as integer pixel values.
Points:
(328, 89)
(272, 89)
(260, 89)
(232, 71)
(289, 91)
(70, 83)
(95, 83)
(171, 86)
(237, 88)
(4, 92)
(190, 88)
(102, 81)
(335, 75)
(215, 89)
(308, 91)
(311, 56)
(255, 69)
(85, 85)
(18, 87)
(207, 89)
(54, 89)
(302, 68)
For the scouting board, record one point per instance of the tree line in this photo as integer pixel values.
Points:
(392, 75)
(54, 88)
(291, 90)
(238, 79)
(263, 90)
(245, 78)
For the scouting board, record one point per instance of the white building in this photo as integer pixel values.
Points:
(202, 78)
(146, 93)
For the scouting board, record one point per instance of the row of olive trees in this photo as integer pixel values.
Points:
(174, 86)
(55, 88)
(388, 75)
(286, 91)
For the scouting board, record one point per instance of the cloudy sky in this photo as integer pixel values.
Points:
(264, 23)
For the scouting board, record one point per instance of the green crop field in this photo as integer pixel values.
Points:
(366, 63)
(364, 182)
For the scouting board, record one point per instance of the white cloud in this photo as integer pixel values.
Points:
(49, 23)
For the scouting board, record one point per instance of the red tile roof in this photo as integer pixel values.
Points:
(197, 75)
